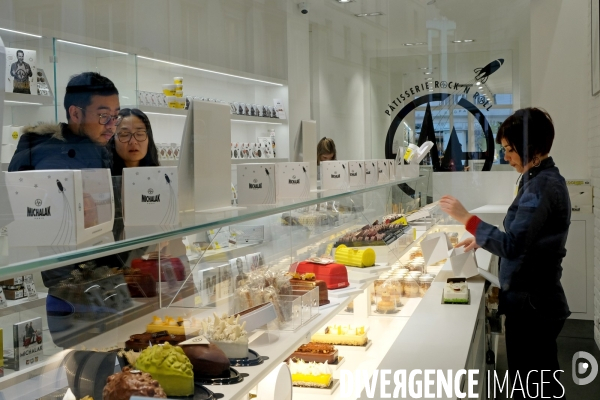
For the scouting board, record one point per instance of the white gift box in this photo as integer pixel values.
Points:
(59, 207)
(464, 264)
(371, 172)
(356, 173)
(292, 180)
(149, 196)
(256, 184)
(392, 169)
(435, 247)
(383, 171)
(334, 175)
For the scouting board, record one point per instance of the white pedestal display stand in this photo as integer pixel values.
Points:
(205, 162)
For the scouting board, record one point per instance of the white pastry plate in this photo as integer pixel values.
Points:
(364, 347)
(309, 390)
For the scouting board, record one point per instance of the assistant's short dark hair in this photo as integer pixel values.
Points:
(529, 131)
(82, 87)
(20, 51)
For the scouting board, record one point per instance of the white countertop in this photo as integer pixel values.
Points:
(437, 336)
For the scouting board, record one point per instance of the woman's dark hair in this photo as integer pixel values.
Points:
(151, 157)
(326, 146)
(529, 131)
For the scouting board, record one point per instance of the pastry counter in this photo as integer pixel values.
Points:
(443, 336)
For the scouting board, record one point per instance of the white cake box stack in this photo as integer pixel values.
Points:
(356, 173)
(334, 175)
(150, 196)
(293, 180)
(59, 207)
(371, 172)
(256, 184)
(383, 171)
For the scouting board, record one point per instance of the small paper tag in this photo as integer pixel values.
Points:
(196, 340)
(321, 260)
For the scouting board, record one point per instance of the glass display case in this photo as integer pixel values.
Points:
(103, 295)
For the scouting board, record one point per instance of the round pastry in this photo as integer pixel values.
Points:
(128, 382)
(207, 360)
(170, 367)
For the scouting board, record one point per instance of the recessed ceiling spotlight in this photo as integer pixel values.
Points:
(478, 83)
(345, 1)
(427, 73)
(424, 68)
(375, 14)
(409, 44)
(457, 41)
(420, 43)
(431, 90)
(428, 79)
(480, 87)
(468, 40)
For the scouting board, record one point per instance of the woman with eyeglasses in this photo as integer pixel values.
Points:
(133, 143)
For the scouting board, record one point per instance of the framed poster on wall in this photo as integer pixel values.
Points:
(595, 47)
(21, 73)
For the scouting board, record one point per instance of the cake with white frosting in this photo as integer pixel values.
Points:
(227, 333)
(310, 374)
(456, 291)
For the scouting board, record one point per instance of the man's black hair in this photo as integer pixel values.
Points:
(82, 87)
(20, 51)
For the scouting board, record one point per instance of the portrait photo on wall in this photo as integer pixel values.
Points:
(21, 72)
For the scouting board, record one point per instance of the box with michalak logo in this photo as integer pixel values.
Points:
(256, 184)
(356, 173)
(292, 180)
(334, 175)
(59, 207)
(150, 196)
(383, 171)
(371, 172)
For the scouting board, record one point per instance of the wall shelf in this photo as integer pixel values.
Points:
(256, 120)
(152, 110)
(27, 100)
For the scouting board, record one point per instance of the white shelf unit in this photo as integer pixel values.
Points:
(210, 82)
(26, 100)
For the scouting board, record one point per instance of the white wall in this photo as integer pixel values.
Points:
(593, 156)
(560, 77)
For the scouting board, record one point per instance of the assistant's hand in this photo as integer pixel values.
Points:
(455, 209)
(469, 244)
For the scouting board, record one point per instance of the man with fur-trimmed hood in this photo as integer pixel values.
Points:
(92, 106)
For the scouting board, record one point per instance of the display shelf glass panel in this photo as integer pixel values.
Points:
(19, 260)
(74, 58)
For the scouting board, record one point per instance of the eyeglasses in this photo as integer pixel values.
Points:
(104, 119)
(125, 137)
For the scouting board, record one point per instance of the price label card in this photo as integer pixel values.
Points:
(196, 340)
